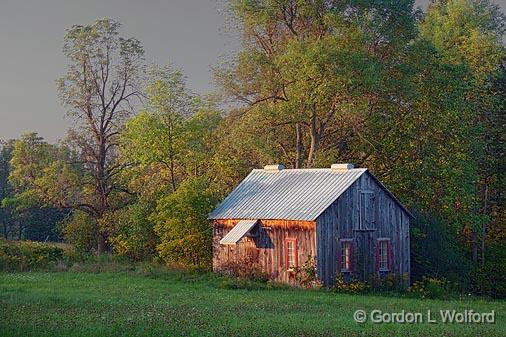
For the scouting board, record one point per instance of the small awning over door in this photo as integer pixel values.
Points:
(238, 232)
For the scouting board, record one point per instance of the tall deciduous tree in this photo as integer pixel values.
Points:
(173, 131)
(168, 144)
(159, 127)
(310, 71)
(470, 33)
(99, 91)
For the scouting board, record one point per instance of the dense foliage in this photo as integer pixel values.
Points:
(27, 255)
(418, 98)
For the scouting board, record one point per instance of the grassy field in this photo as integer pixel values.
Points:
(176, 304)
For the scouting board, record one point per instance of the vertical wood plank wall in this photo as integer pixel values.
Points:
(268, 248)
(341, 221)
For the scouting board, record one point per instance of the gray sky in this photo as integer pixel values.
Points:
(190, 34)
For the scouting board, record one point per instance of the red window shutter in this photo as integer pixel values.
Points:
(351, 255)
(390, 256)
(377, 255)
(340, 257)
(286, 254)
(295, 253)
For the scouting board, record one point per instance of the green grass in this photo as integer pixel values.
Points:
(178, 304)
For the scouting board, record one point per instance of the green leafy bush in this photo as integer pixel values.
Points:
(389, 282)
(375, 283)
(182, 225)
(133, 234)
(352, 287)
(490, 279)
(432, 287)
(306, 276)
(27, 255)
(80, 230)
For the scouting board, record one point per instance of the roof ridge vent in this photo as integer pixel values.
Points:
(341, 167)
(274, 168)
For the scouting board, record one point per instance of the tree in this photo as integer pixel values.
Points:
(6, 218)
(427, 149)
(99, 91)
(168, 143)
(173, 134)
(310, 71)
(160, 125)
(31, 159)
(133, 232)
(470, 33)
(435, 252)
(182, 225)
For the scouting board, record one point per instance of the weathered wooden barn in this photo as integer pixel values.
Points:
(342, 217)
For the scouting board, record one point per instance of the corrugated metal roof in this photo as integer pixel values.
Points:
(297, 194)
(238, 232)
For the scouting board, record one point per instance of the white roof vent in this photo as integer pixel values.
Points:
(341, 167)
(274, 168)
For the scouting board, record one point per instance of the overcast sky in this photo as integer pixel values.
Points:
(190, 34)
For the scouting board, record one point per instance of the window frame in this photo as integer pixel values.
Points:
(342, 265)
(384, 243)
(294, 253)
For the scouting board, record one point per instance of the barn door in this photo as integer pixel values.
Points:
(364, 254)
(367, 209)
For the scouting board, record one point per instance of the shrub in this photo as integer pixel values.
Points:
(182, 225)
(306, 274)
(374, 283)
(388, 282)
(81, 230)
(100, 267)
(352, 287)
(490, 279)
(27, 255)
(244, 268)
(431, 287)
(133, 234)
(436, 252)
(234, 283)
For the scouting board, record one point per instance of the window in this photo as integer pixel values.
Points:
(383, 254)
(291, 253)
(346, 251)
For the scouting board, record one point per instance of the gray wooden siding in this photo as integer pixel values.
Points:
(343, 220)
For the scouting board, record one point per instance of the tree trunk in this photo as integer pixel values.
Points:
(474, 249)
(484, 226)
(315, 141)
(101, 246)
(298, 146)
